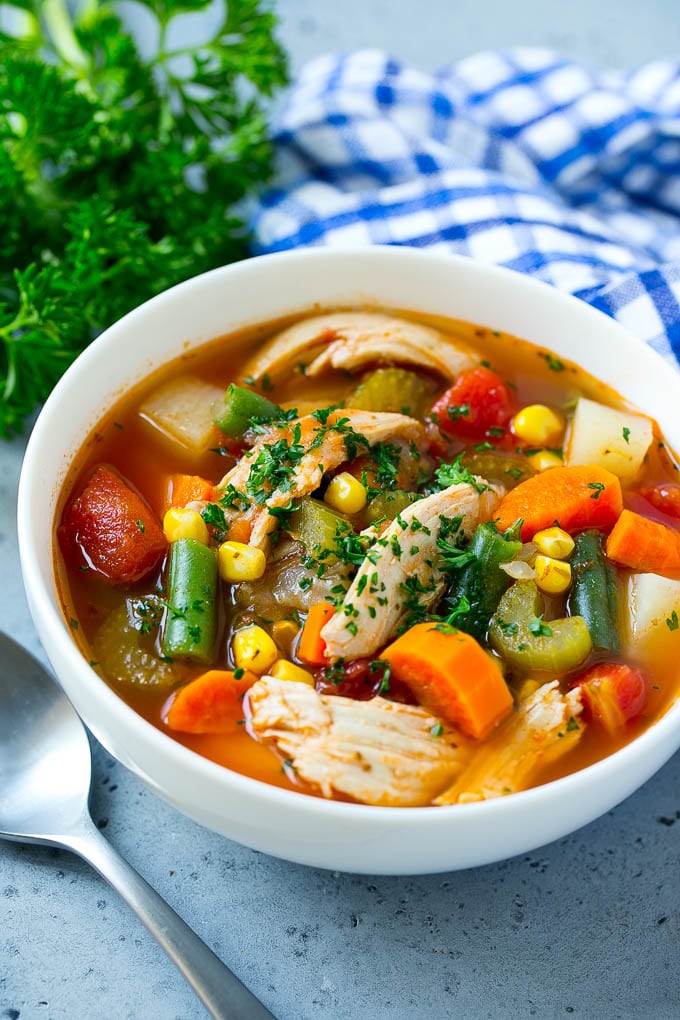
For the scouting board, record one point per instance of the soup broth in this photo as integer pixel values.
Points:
(476, 447)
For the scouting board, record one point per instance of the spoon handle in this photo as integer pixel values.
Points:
(225, 997)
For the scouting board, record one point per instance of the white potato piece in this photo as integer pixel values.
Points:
(182, 410)
(616, 440)
(651, 627)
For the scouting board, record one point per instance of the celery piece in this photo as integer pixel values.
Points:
(388, 504)
(318, 528)
(234, 414)
(393, 389)
(191, 619)
(520, 636)
(507, 469)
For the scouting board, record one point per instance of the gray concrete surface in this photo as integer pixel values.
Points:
(587, 927)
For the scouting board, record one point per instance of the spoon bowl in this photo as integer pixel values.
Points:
(44, 753)
(45, 768)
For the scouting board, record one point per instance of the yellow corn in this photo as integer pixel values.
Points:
(543, 460)
(554, 542)
(253, 649)
(180, 522)
(552, 576)
(238, 562)
(346, 494)
(538, 425)
(284, 670)
(284, 633)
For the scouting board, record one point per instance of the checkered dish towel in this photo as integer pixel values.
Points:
(518, 158)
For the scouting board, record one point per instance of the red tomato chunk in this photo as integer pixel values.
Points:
(477, 406)
(612, 694)
(110, 528)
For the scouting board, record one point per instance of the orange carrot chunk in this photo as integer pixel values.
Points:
(312, 647)
(212, 703)
(450, 674)
(575, 498)
(641, 544)
(111, 529)
(183, 489)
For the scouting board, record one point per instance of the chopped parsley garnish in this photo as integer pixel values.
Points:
(140, 526)
(572, 724)
(598, 488)
(456, 411)
(540, 629)
(626, 434)
(507, 628)
(238, 673)
(672, 621)
(213, 515)
(437, 730)
(456, 474)
(553, 363)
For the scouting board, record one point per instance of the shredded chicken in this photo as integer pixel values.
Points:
(320, 448)
(544, 727)
(377, 752)
(350, 340)
(400, 572)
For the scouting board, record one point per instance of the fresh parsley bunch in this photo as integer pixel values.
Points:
(120, 174)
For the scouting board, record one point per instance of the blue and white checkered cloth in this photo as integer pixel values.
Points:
(518, 158)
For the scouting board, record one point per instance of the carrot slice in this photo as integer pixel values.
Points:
(312, 647)
(110, 528)
(183, 489)
(450, 674)
(212, 703)
(575, 498)
(642, 544)
(240, 530)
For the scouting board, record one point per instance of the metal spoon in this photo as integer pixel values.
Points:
(45, 770)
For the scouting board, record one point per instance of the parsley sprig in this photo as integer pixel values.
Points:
(119, 171)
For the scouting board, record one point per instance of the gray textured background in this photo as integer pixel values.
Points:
(586, 927)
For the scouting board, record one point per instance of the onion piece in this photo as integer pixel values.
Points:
(518, 570)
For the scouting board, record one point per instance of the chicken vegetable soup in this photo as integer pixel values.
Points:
(377, 558)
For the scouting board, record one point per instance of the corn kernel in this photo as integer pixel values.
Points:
(284, 633)
(538, 425)
(346, 494)
(554, 542)
(543, 460)
(182, 523)
(253, 649)
(238, 562)
(284, 670)
(552, 576)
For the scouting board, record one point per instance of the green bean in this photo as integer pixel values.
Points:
(480, 584)
(594, 594)
(234, 415)
(191, 619)
(520, 636)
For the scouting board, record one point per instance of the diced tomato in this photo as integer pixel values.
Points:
(478, 406)
(361, 679)
(111, 529)
(612, 693)
(664, 497)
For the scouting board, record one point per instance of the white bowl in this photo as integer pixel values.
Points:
(349, 837)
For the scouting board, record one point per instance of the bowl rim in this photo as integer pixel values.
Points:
(55, 634)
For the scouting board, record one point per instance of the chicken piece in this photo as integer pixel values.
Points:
(377, 752)
(543, 728)
(400, 572)
(289, 462)
(350, 340)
